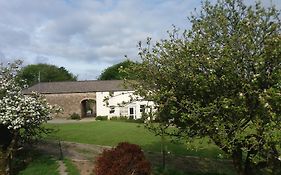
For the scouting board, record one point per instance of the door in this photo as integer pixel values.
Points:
(132, 113)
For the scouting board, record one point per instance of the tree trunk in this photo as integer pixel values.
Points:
(248, 167)
(242, 167)
(163, 149)
(238, 161)
(6, 154)
(3, 162)
(6, 137)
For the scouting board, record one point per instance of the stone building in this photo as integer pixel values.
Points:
(87, 98)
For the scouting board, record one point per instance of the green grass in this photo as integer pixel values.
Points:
(159, 171)
(111, 133)
(70, 167)
(41, 165)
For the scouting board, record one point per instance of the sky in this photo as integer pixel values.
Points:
(87, 36)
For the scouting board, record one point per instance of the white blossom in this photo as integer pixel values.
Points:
(18, 110)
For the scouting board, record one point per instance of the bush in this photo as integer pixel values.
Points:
(125, 159)
(114, 118)
(75, 116)
(101, 118)
(120, 118)
(126, 119)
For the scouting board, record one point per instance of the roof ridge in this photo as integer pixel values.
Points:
(77, 81)
(78, 86)
(62, 82)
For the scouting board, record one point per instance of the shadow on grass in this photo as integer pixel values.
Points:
(170, 171)
(30, 162)
(181, 161)
(206, 151)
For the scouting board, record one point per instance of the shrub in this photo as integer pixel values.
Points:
(125, 159)
(126, 119)
(114, 118)
(75, 116)
(119, 118)
(123, 118)
(101, 118)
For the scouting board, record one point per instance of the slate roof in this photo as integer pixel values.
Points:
(77, 87)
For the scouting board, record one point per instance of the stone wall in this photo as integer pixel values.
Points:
(69, 102)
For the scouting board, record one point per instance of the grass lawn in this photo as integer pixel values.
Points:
(110, 133)
(41, 165)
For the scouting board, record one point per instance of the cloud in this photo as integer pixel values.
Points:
(41, 59)
(13, 37)
(86, 35)
(3, 59)
(101, 35)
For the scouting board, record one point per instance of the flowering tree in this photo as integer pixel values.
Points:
(21, 116)
(221, 79)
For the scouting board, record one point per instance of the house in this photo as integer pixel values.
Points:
(92, 98)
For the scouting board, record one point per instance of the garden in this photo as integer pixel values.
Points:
(217, 93)
(86, 138)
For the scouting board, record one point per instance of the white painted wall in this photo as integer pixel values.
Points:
(116, 101)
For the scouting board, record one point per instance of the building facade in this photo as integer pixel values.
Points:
(121, 103)
(93, 98)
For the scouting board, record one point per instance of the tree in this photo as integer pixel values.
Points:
(221, 79)
(44, 73)
(114, 73)
(20, 116)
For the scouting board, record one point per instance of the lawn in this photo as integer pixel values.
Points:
(41, 165)
(110, 133)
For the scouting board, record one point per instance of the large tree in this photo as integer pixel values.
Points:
(115, 72)
(221, 79)
(44, 73)
(21, 116)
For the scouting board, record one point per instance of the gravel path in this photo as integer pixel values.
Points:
(62, 168)
(82, 155)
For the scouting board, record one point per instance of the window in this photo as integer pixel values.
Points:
(142, 108)
(112, 110)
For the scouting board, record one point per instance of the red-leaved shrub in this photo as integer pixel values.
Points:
(125, 159)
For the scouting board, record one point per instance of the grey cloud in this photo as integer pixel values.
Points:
(12, 37)
(41, 59)
(89, 74)
(27, 15)
(86, 35)
(3, 59)
(63, 29)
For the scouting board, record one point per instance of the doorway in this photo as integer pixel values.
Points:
(88, 108)
(132, 113)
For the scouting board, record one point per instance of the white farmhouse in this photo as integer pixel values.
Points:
(121, 103)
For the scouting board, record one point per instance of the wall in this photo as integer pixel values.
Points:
(119, 104)
(70, 102)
